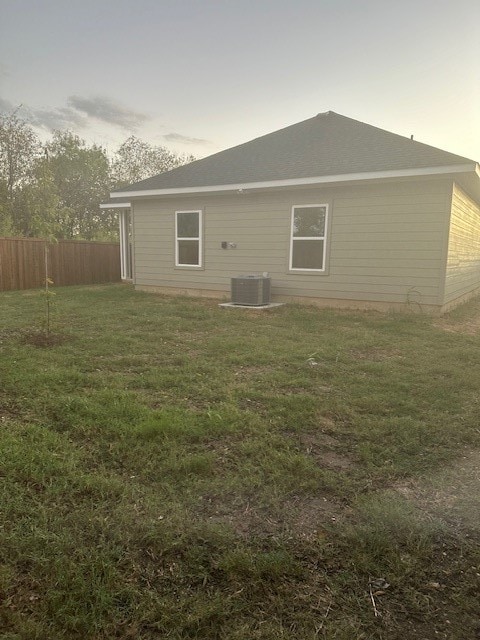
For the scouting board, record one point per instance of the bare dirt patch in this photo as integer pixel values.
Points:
(326, 422)
(43, 340)
(296, 516)
(310, 515)
(8, 412)
(324, 448)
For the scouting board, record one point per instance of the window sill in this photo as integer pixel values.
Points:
(187, 267)
(308, 272)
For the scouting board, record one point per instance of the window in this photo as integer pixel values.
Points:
(308, 237)
(188, 238)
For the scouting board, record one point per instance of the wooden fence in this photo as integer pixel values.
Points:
(22, 263)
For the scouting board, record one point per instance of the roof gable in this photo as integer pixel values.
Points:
(328, 144)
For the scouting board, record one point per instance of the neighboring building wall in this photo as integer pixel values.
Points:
(386, 243)
(463, 261)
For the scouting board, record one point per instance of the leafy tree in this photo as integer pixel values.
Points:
(82, 179)
(136, 160)
(19, 150)
(6, 228)
(55, 190)
(39, 210)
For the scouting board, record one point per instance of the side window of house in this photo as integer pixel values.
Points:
(188, 238)
(308, 237)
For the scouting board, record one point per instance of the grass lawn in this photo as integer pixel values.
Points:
(173, 470)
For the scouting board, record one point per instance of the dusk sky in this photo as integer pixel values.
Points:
(201, 76)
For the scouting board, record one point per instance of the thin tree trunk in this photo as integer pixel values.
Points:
(47, 296)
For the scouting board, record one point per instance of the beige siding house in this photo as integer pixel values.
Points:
(339, 213)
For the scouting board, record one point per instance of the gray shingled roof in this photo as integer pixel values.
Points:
(327, 144)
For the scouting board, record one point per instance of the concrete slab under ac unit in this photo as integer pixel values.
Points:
(270, 305)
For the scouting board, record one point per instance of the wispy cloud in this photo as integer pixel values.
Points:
(177, 137)
(56, 118)
(78, 112)
(107, 110)
(47, 117)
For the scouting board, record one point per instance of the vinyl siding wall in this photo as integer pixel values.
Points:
(386, 242)
(463, 260)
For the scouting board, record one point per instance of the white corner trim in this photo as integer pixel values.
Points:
(115, 205)
(292, 182)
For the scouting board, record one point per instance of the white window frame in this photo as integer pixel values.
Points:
(199, 239)
(310, 238)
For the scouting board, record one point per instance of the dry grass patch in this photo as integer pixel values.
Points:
(464, 319)
(451, 495)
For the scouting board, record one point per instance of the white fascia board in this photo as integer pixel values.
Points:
(115, 205)
(293, 182)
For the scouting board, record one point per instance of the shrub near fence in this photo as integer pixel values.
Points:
(22, 262)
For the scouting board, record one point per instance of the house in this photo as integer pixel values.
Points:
(338, 212)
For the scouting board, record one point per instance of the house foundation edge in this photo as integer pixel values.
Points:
(332, 303)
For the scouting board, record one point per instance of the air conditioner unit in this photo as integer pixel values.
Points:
(251, 290)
